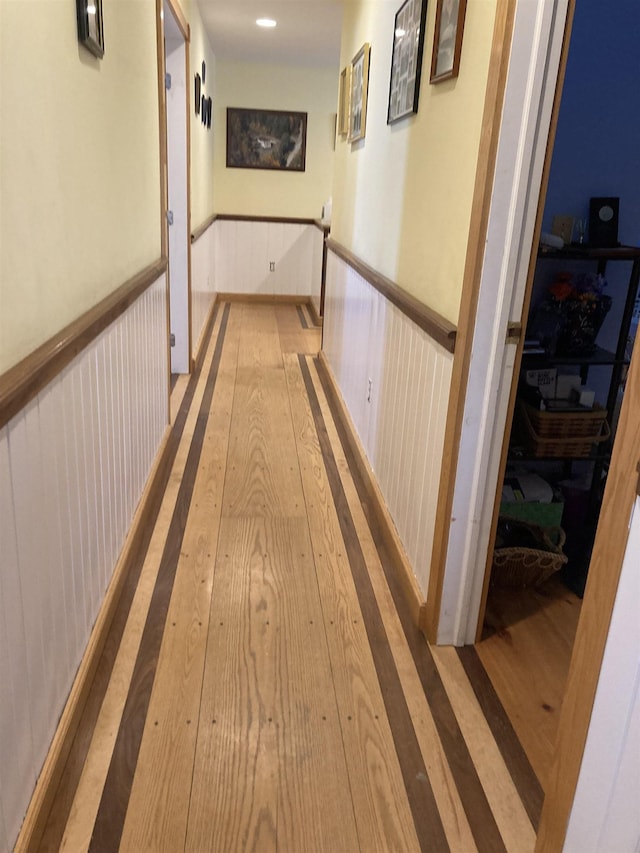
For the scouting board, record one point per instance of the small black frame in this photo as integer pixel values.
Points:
(406, 61)
(90, 27)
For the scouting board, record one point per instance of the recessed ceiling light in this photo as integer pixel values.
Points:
(266, 22)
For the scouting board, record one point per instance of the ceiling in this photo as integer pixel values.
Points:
(308, 31)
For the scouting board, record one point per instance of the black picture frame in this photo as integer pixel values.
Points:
(266, 139)
(406, 61)
(197, 88)
(90, 26)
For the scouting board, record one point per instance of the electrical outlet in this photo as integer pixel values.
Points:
(272, 266)
(369, 390)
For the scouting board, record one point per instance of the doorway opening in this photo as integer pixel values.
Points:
(177, 176)
(552, 477)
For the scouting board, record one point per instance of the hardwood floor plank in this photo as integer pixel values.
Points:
(522, 773)
(515, 827)
(481, 821)
(159, 802)
(428, 824)
(527, 658)
(234, 790)
(451, 810)
(109, 823)
(263, 474)
(272, 761)
(294, 336)
(78, 796)
(382, 811)
(301, 317)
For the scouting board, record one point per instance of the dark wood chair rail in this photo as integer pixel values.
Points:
(436, 326)
(21, 383)
(199, 231)
(240, 217)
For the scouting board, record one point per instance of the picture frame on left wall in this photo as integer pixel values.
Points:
(90, 26)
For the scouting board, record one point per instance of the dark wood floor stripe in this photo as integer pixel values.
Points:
(109, 824)
(481, 820)
(301, 315)
(519, 766)
(425, 813)
(63, 800)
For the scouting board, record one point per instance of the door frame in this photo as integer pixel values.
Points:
(183, 26)
(495, 300)
(534, 43)
(620, 494)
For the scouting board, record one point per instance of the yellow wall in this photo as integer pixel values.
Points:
(79, 173)
(202, 140)
(275, 193)
(402, 196)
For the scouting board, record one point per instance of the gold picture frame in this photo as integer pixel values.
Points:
(447, 41)
(358, 88)
(344, 101)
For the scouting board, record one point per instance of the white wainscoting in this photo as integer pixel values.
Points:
(245, 249)
(203, 283)
(367, 340)
(73, 465)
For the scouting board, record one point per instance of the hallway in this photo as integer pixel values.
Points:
(264, 687)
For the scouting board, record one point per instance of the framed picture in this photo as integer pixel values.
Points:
(447, 42)
(344, 94)
(197, 89)
(266, 139)
(406, 62)
(358, 98)
(90, 30)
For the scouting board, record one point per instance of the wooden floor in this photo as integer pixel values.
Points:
(529, 635)
(263, 687)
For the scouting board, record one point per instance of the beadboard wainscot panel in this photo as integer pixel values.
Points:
(203, 281)
(395, 380)
(73, 465)
(245, 248)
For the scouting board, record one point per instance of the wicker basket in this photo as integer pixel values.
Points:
(525, 567)
(563, 434)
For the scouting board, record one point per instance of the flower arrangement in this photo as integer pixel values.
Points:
(569, 318)
(585, 287)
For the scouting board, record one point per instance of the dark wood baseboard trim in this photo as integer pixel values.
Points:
(436, 326)
(199, 231)
(21, 383)
(53, 768)
(374, 499)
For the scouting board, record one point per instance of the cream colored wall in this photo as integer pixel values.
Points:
(275, 193)
(402, 196)
(79, 173)
(202, 139)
